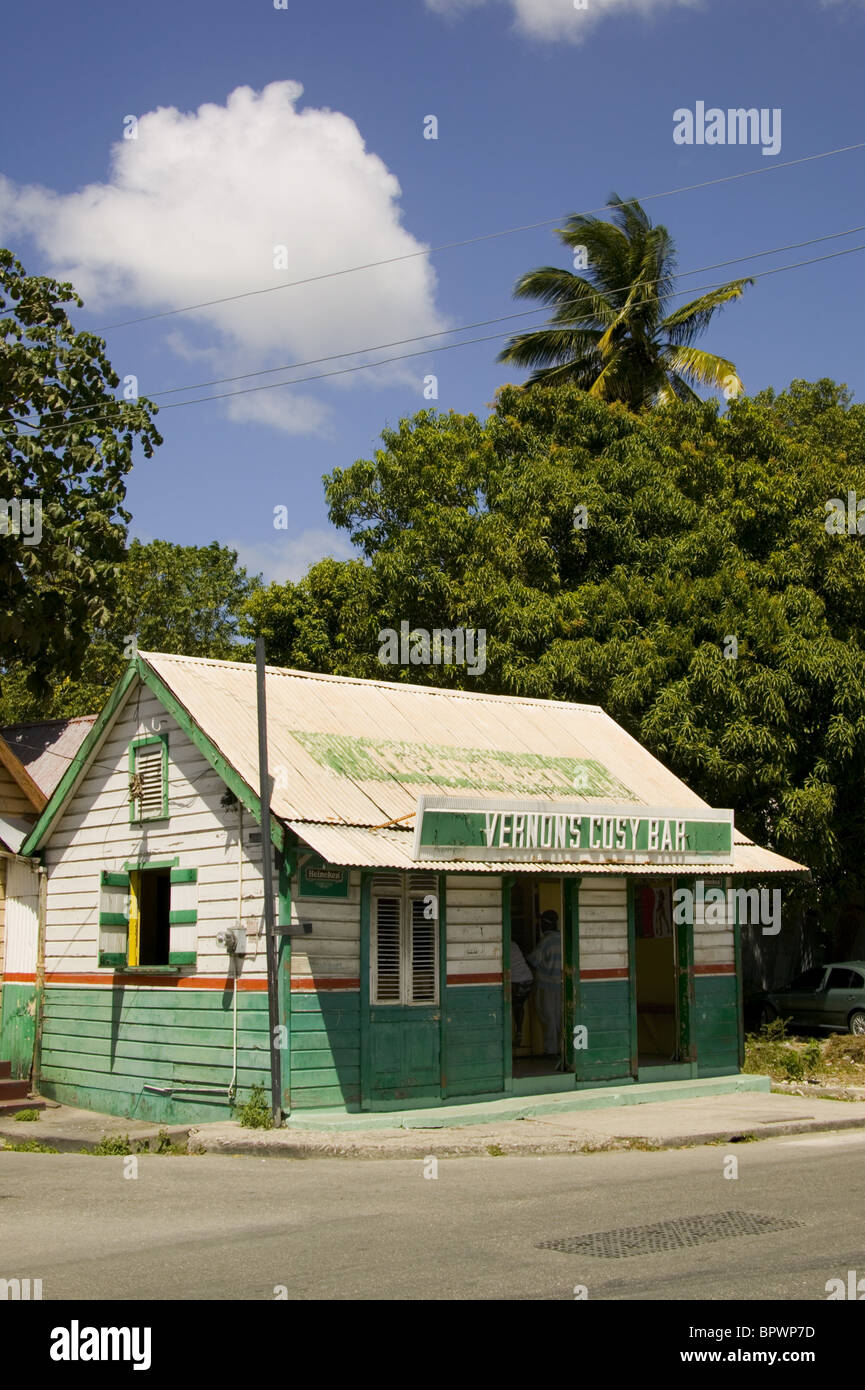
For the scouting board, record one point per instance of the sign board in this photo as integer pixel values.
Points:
(570, 832)
(318, 879)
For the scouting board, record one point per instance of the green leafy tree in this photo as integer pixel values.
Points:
(172, 598)
(613, 331)
(66, 445)
(673, 567)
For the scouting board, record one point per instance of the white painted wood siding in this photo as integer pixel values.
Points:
(474, 924)
(22, 919)
(333, 948)
(603, 923)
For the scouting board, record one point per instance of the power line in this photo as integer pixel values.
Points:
(471, 241)
(466, 327)
(502, 318)
(421, 352)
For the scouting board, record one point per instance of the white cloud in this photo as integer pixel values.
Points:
(291, 557)
(193, 209)
(559, 19)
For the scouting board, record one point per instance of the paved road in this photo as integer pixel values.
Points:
(238, 1228)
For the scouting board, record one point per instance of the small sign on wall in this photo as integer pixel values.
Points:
(318, 879)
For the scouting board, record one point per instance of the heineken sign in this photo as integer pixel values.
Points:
(568, 831)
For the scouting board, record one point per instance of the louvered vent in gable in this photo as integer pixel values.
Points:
(148, 792)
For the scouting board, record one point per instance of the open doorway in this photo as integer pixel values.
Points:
(656, 975)
(537, 993)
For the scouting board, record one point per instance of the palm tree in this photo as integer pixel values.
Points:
(611, 332)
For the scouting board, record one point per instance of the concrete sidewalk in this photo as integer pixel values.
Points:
(537, 1125)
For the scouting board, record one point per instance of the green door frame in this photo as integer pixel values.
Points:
(442, 908)
(571, 943)
(737, 958)
(632, 980)
(508, 882)
(366, 878)
(683, 965)
(685, 997)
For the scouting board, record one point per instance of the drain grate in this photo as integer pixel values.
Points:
(669, 1235)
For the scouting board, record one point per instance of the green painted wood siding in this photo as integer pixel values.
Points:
(716, 1024)
(325, 1049)
(605, 1011)
(101, 1045)
(474, 1019)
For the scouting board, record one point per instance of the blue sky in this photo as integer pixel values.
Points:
(542, 111)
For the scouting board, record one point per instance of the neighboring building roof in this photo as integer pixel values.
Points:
(47, 747)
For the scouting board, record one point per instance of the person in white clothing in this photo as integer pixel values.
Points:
(521, 987)
(547, 961)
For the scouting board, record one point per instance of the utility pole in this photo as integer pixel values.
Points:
(267, 870)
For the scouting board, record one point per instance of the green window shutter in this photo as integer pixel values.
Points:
(113, 919)
(183, 917)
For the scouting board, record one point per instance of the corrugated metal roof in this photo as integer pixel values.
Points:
(356, 752)
(348, 757)
(47, 747)
(361, 847)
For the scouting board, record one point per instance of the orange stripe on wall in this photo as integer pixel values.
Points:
(620, 974)
(172, 981)
(715, 969)
(303, 984)
(494, 978)
(13, 979)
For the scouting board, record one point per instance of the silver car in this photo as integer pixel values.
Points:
(831, 997)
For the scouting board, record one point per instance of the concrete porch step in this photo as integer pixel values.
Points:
(13, 1089)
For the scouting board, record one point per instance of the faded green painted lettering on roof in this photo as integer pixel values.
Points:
(468, 769)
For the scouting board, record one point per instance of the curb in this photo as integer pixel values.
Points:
(67, 1143)
(397, 1146)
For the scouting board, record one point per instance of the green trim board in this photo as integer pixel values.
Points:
(196, 734)
(365, 929)
(507, 1008)
(684, 938)
(441, 904)
(470, 828)
(571, 965)
(79, 762)
(148, 741)
(634, 1049)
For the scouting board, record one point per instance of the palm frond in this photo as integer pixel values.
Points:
(692, 319)
(703, 367)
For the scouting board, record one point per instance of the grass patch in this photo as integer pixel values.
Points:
(119, 1145)
(29, 1146)
(26, 1115)
(256, 1112)
(838, 1060)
